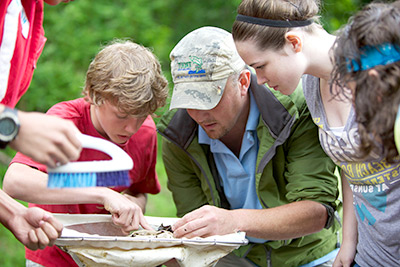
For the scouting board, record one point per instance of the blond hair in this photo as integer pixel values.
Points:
(129, 76)
(267, 37)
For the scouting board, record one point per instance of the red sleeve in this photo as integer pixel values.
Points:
(64, 110)
(3, 9)
(21, 158)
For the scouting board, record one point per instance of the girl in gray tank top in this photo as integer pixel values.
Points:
(369, 170)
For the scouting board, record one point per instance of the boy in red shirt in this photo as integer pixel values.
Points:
(124, 86)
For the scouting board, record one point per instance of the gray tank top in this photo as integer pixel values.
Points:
(374, 182)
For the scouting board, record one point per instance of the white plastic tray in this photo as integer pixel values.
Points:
(74, 238)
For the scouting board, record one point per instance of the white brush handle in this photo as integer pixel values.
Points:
(120, 159)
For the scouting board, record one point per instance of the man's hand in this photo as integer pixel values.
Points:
(47, 139)
(205, 221)
(35, 228)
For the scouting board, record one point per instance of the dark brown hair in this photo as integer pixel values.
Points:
(375, 98)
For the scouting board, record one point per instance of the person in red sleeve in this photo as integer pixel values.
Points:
(124, 86)
(47, 139)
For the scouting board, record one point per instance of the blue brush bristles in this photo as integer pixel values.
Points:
(114, 172)
(106, 179)
(116, 178)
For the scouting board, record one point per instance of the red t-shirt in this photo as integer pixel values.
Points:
(21, 43)
(142, 147)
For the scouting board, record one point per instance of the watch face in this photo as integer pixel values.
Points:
(7, 126)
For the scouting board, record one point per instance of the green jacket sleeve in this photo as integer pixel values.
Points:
(310, 173)
(183, 179)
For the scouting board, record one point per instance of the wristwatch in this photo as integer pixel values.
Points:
(9, 126)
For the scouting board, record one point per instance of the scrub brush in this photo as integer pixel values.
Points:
(114, 172)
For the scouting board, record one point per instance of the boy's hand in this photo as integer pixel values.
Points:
(47, 139)
(125, 212)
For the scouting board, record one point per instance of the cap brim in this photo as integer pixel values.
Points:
(197, 95)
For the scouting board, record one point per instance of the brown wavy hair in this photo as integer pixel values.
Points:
(129, 76)
(376, 98)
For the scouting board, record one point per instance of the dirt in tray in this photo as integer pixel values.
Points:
(162, 232)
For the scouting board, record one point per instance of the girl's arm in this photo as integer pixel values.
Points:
(348, 248)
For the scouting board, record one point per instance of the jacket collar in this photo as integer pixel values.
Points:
(182, 128)
(273, 113)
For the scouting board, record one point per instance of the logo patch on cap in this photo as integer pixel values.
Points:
(194, 68)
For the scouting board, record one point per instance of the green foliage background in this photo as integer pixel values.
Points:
(76, 31)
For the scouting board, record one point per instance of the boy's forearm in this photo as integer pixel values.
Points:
(30, 185)
(140, 199)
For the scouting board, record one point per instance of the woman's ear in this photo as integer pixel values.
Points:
(373, 73)
(294, 40)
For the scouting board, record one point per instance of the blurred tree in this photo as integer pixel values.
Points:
(335, 13)
(77, 30)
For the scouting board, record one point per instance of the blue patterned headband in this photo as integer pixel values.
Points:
(372, 56)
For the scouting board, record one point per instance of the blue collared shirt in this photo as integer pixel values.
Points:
(238, 174)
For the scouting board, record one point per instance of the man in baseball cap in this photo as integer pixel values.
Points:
(242, 158)
(200, 65)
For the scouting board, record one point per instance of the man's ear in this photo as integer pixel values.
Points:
(294, 40)
(244, 80)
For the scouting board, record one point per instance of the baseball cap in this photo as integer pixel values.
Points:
(201, 63)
